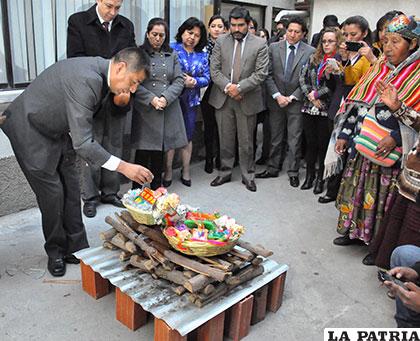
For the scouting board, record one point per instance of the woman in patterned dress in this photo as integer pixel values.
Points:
(190, 42)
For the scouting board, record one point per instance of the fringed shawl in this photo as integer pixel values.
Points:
(405, 77)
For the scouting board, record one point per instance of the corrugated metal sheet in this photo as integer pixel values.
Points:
(157, 297)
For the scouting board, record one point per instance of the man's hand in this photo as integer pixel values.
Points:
(340, 146)
(233, 90)
(408, 274)
(135, 172)
(410, 297)
(311, 96)
(283, 101)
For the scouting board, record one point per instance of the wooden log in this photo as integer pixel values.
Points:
(139, 262)
(125, 255)
(151, 264)
(212, 330)
(189, 274)
(218, 263)
(93, 283)
(275, 293)
(197, 283)
(260, 305)
(257, 261)
(257, 249)
(238, 319)
(119, 241)
(164, 333)
(209, 289)
(235, 261)
(173, 276)
(154, 234)
(128, 312)
(108, 234)
(201, 300)
(108, 245)
(245, 255)
(179, 290)
(130, 234)
(196, 266)
(131, 247)
(246, 274)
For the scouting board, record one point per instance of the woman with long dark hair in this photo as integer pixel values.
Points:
(217, 26)
(190, 42)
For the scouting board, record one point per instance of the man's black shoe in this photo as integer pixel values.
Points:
(266, 174)
(218, 181)
(70, 259)
(325, 199)
(261, 161)
(319, 186)
(56, 267)
(345, 240)
(208, 167)
(113, 200)
(250, 185)
(89, 209)
(294, 181)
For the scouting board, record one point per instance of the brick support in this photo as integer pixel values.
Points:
(275, 293)
(128, 312)
(93, 283)
(238, 319)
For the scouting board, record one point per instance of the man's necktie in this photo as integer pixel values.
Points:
(289, 63)
(105, 25)
(237, 63)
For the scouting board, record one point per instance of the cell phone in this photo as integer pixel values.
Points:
(385, 276)
(333, 63)
(353, 46)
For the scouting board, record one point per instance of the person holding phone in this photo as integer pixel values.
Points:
(317, 96)
(356, 58)
(406, 267)
(387, 92)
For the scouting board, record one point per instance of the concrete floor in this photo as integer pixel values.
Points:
(327, 285)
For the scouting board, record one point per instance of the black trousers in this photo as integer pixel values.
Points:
(58, 198)
(317, 136)
(211, 134)
(153, 160)
(262, 117)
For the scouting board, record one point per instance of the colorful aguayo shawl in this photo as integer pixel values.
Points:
(405, 77)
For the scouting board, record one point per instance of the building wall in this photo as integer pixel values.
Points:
(372, 10)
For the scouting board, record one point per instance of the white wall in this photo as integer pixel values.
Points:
(372, 10)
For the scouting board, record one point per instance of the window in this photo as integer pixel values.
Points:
(37, 30)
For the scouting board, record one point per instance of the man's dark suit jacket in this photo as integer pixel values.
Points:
(87, 37)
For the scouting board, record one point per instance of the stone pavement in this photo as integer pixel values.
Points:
(326, 286)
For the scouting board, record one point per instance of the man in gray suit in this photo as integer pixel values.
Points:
(287, 58)
(50, 121)
(238, 67)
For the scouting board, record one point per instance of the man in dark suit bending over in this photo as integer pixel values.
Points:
(101, 32)
(50, 122)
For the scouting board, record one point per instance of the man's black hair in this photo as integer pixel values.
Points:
(136, 59)
(298, 20)
(239, 12)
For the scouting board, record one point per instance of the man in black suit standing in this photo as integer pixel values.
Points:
(101, 31)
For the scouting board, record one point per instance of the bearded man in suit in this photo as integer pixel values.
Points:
(50, 122)
(238, 67)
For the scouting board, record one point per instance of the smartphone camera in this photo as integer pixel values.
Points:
(353, 46)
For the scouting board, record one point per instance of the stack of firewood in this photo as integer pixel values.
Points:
(204, 278)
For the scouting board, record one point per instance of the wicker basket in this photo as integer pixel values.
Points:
(200, 249)
(141, 216)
